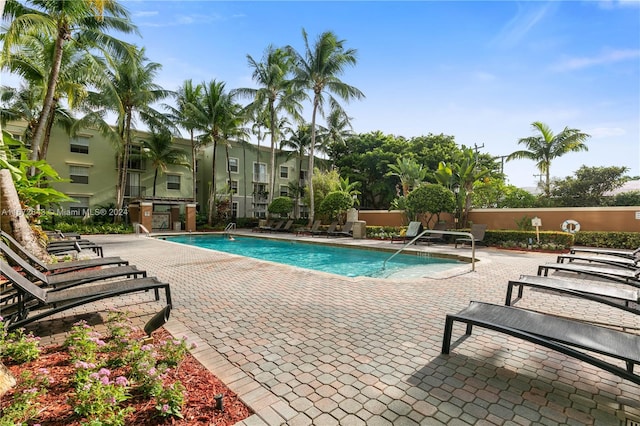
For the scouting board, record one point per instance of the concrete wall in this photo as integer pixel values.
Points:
(625, 219)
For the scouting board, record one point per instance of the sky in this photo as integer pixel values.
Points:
(481, 71)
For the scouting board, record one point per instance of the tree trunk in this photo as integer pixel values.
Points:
(272, 176)
(226, 149)
(48, 100)
(193, 166)
(47, 133)
(312, 204)
(212, 192)
(155, 178)
(12, 219)
(7, 381)
(123, 165)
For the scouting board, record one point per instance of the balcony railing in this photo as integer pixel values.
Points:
(135, 191)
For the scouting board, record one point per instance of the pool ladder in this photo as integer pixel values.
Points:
(227, 230)
(432, 231)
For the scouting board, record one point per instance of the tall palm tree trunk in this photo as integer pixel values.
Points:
(212, 192)
(48, 99)
(123, 166)
(155, 179)
(12, 219)
(193, 167)
(272, 176)
(312, 204)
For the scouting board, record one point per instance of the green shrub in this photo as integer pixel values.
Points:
(281, 206)
(623, 240)
(335, 204)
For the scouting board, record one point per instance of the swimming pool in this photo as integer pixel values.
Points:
(349, 262)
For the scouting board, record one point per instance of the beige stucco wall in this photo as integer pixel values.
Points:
(626, 219)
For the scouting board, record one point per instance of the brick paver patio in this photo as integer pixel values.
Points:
(303, 347)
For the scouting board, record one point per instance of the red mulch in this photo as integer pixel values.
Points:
(200, 388)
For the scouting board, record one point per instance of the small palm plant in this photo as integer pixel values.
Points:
(160, 151)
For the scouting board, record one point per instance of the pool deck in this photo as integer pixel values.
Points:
(302, 347)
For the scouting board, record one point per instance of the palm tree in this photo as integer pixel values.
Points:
(275, 95)
(299, 143)
(211, 115)
(411, 173)
(128, 91)
(187, 99)
(159, 149)
(545, 147)
(86, 24)
(318, 70)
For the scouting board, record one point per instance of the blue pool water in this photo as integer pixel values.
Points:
(344, 261)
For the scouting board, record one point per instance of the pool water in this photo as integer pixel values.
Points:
(349, 262)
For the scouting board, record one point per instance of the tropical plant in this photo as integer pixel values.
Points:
(349, 188)
(588, 187)
(410, 173)
(281, 206)
(547, 146)
(187, 98)
(432, 199)
(274, 96)
(129, 91)
(159, 149)
(318, 70)
(298, 142)
(85, 24)
(335, 204)
(211, 115)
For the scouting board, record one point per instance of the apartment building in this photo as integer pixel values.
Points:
(88, 162)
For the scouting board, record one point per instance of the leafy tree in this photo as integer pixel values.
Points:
(411, 173)
(318, 70)
(588, 187)
(546, 147)
(274, 95)
(281, 206)
(324, 183)
(494, 193)
(432, 199)
(350, 188)
(631, 198)
(335, 204)
(187, 99)
(87, 24)
(298, 142)
(129, 91)
(159, 149)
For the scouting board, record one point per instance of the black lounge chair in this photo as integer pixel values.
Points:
(310, 231)
(331, 229)
(57, 247)
(631, 254)
(477, 230)
(621, 275)
(413, 230)
(273, 228)
(344, 232)
(611, 295)
(286, 227)
(621, 262)
(58, 267)
(566, 336)
(435, 237)
(46, 302)
(59, 235)
(70, 279)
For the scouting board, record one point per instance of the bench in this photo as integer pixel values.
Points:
(560, 334)
(624, 276)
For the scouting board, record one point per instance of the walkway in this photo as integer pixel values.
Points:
(303, 347)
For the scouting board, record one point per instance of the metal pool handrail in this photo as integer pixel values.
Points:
(433, 231)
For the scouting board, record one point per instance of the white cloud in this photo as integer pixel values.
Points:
(145, 13)
(602, 59)
(524, 21)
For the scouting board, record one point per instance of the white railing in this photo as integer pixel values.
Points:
(433, 231)
(137, 227)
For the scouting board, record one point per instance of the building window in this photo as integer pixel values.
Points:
(284, 191)
(80, 207)
(260, 211)
(133, 188)
(233, 165)
(80, 144)
(234, 187)
(234, 209)
(173, 182)
(197, 166)
(259, 172)
(136, 159)
(284, 172)
(303, 175)
(79, 174)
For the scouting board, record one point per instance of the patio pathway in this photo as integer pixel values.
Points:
(303, 347)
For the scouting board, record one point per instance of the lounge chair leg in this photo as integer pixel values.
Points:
(509, 294)
(446, 339)
(469, 328)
